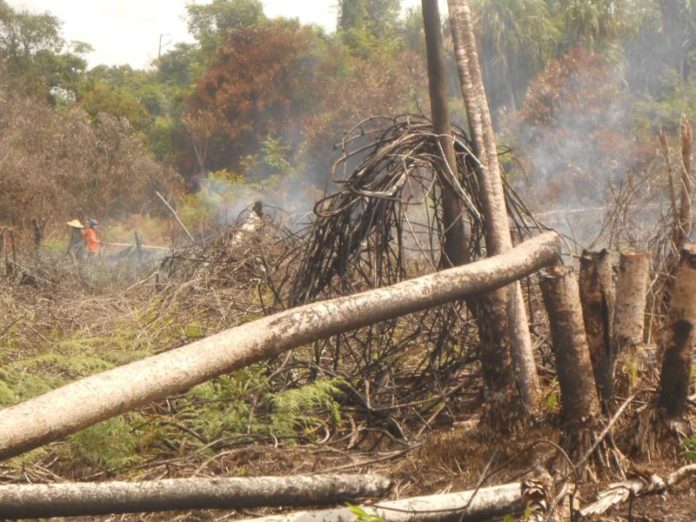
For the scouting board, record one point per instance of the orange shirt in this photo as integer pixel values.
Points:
(91, 241)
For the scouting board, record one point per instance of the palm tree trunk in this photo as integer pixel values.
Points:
(455, 235)
(685, 213)
(597, 298)
(498, 238)
(680, 338)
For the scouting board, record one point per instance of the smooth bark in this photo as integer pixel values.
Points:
(80, 404)
(573, 367)
(680, 337)
(597, 296)
(101, 498)
(487, 503)
(516, 337)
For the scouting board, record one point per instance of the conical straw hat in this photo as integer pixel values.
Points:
(75, 224)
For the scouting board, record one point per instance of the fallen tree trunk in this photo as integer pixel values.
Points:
(649, 484)
(80, 404)
(102, 498)
(486, 503)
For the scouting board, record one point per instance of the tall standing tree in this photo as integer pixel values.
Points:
(35, 60)
(211, 23)
(376, 16)
(455, 240)
(501, 304)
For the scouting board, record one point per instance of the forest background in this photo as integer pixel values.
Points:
(579, 90)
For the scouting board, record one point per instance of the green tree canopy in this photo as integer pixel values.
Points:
(34, 58)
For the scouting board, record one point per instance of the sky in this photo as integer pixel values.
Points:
(131, 31)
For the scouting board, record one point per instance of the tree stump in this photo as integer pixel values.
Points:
(597, 298)
(579, 399)
(679, 339)
(629, 317)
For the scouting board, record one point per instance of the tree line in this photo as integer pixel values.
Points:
(262, 98)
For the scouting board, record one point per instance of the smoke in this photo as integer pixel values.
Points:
(586, 135)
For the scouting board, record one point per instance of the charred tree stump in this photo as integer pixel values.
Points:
(629, 315)
(597, 298)
(579, 399)
(679, 339)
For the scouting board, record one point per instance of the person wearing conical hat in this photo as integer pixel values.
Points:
(76, 247)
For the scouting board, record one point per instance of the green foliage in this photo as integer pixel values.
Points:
(689, 448)
(551, 401)
(631, 368)
(298, 408)
(34, 58)
(363, 516)
(118, 102)
(273, 160)
(210, 23)
(244, 403)
(110, 444)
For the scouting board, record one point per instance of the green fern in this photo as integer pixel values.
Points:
(299, 408)
(110, 444)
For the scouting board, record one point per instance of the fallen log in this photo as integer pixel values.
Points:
(645, 484)
(85, 402)
(486, 503)
(102, 498)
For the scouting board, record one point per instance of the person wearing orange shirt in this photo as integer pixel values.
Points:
(90, 238)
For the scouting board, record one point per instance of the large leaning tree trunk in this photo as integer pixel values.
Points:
(597, 298)
(508, 302)
(579, 400)
(103, 498)
(679, 339)
(455, 238)
(80, 404)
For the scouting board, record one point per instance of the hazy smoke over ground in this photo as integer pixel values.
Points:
(587, 135)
